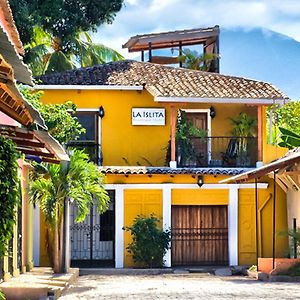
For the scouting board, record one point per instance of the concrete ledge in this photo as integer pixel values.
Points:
(36, 284)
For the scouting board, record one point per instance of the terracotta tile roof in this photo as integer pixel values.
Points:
(165, 81)
(166, 170)
(8, 24)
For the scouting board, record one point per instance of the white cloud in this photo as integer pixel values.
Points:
(138, 17)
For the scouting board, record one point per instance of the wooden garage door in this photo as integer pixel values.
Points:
(199, 235)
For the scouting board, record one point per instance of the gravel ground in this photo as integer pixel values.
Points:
(178, 286)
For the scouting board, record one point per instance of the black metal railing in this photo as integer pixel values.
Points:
(91, 148)
(217, 151)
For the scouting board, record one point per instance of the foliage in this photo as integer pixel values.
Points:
(2, 296)
(149, 242)
(45, 55)
(289, 139)
(185, 130)
(9, 191)
(59, 118)
(55, 32)
(80, 182)
(253, 268)
(195, 61)
(62, 19)
(286, 116)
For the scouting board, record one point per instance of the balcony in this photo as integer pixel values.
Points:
(218, 151)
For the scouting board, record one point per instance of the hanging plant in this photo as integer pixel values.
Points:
(9, 191)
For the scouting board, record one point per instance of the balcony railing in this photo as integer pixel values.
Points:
(217, 151)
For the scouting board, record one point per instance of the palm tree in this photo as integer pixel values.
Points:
(195, 61)
(80, 182)
(45, 53)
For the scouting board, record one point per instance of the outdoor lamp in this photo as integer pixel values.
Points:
(200, 180)
(212, 112)
(101, 112)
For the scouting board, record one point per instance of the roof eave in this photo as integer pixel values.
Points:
(254, 101)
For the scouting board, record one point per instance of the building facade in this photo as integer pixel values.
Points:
(164, 138)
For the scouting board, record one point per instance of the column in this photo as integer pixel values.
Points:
(233, 226)
(119, 232)
(167, 219)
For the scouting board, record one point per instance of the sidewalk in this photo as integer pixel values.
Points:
(36, 284)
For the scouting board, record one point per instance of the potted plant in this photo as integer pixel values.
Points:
(244, 126)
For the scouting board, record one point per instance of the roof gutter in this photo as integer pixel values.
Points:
(256, 101)
(89, 87)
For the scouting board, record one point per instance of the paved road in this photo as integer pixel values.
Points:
(178, 286)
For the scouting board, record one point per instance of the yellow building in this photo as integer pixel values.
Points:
(164, 139)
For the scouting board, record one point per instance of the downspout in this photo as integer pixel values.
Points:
(274, 220)
(256, 219)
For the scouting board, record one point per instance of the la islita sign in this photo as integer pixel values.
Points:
(148, 116)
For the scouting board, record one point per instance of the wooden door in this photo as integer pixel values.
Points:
(199, 235)
(199, 120)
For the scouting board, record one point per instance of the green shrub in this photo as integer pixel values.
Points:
(149, 242)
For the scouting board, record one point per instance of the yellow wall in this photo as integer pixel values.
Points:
(247, 223)
(147, 201)
(138, 144)
(199, 197)
(139, 202)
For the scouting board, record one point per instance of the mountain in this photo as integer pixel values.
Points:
(263, 55)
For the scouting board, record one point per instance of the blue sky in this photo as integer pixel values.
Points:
(238, 20)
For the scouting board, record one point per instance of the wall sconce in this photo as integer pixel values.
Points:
(212, 112)
(200, 180)
(101, 112)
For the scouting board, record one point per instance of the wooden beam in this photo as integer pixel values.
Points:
(36, 152)
(291, 173)
(280, 182)
(12, 132)
(51, 161)
(29, 143)
(295, 185)
(164, 60)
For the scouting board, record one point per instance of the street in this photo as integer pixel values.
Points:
(178, 286)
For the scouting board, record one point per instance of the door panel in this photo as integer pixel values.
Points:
(199, 120)
(199, 235)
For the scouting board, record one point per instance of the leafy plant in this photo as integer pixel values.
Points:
(45, 54)
(185, 131)
(59, 118)
(195, 61)
(2, 296)
(286, 116)
(149, 242)
(244, 126)
(80, 182)
(62, 19)
(9, 191)
(289, 139)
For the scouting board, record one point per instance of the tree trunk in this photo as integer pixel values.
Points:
(56, 256)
